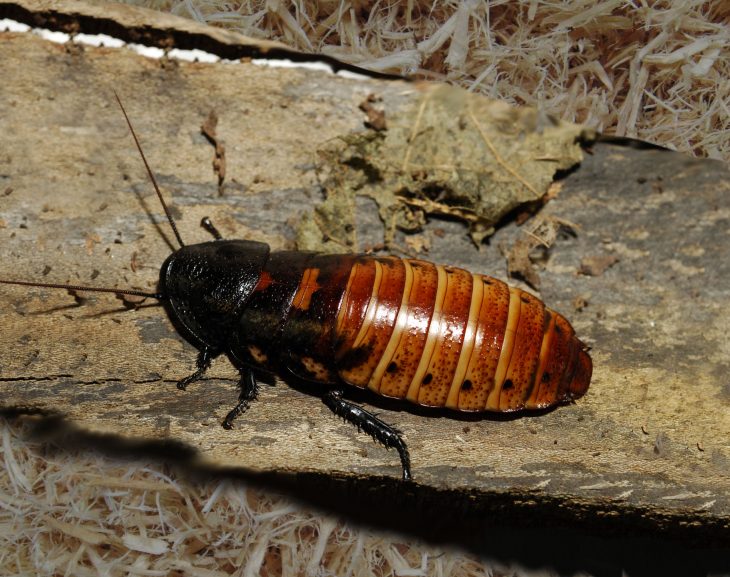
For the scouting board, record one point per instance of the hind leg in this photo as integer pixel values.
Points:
(365, 421)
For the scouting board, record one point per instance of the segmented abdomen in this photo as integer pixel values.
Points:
(434, 335)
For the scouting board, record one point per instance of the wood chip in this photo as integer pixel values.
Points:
(208, 129)
(597, 265)
(522, 257)
(376, 118)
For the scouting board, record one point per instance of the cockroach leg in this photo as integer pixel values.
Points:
(249, 392)
(203, 364)
(365, 421)
(501, 349)
(208, 225)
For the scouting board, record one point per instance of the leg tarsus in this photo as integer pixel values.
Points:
(203, 364)
(249, 391)
(364, 421)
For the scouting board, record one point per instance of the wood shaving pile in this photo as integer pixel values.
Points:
(660, 73)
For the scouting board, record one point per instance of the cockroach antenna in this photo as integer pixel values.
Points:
(357, 320)
(149, 172)
(82, 288)
(128, 292)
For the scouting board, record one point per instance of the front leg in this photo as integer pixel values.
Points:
(203, 364)
(249, 391)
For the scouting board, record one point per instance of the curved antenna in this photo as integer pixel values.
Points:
(158, 296)
(118, 292)
(149, 172)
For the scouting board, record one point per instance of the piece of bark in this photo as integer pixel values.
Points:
(657, 324)
(596, 265)
(540, 234)
(151, 28)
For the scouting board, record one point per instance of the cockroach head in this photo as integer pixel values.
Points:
(205, 286)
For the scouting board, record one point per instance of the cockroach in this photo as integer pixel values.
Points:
(434, 335)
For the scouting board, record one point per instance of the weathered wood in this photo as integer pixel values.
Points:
(651, 435)
(133, 24)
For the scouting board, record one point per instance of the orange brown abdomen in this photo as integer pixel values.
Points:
(408, 329)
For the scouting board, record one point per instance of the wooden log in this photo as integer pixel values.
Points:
(646, 449)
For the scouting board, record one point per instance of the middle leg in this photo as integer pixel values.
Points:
(203, 364)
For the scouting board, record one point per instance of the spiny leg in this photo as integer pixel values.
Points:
(369, 423)
(203, 364)
(208, 225)
(249, 391)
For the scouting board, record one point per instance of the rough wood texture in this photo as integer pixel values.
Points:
(648, 446)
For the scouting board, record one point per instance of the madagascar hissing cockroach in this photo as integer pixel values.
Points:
(408, 329)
